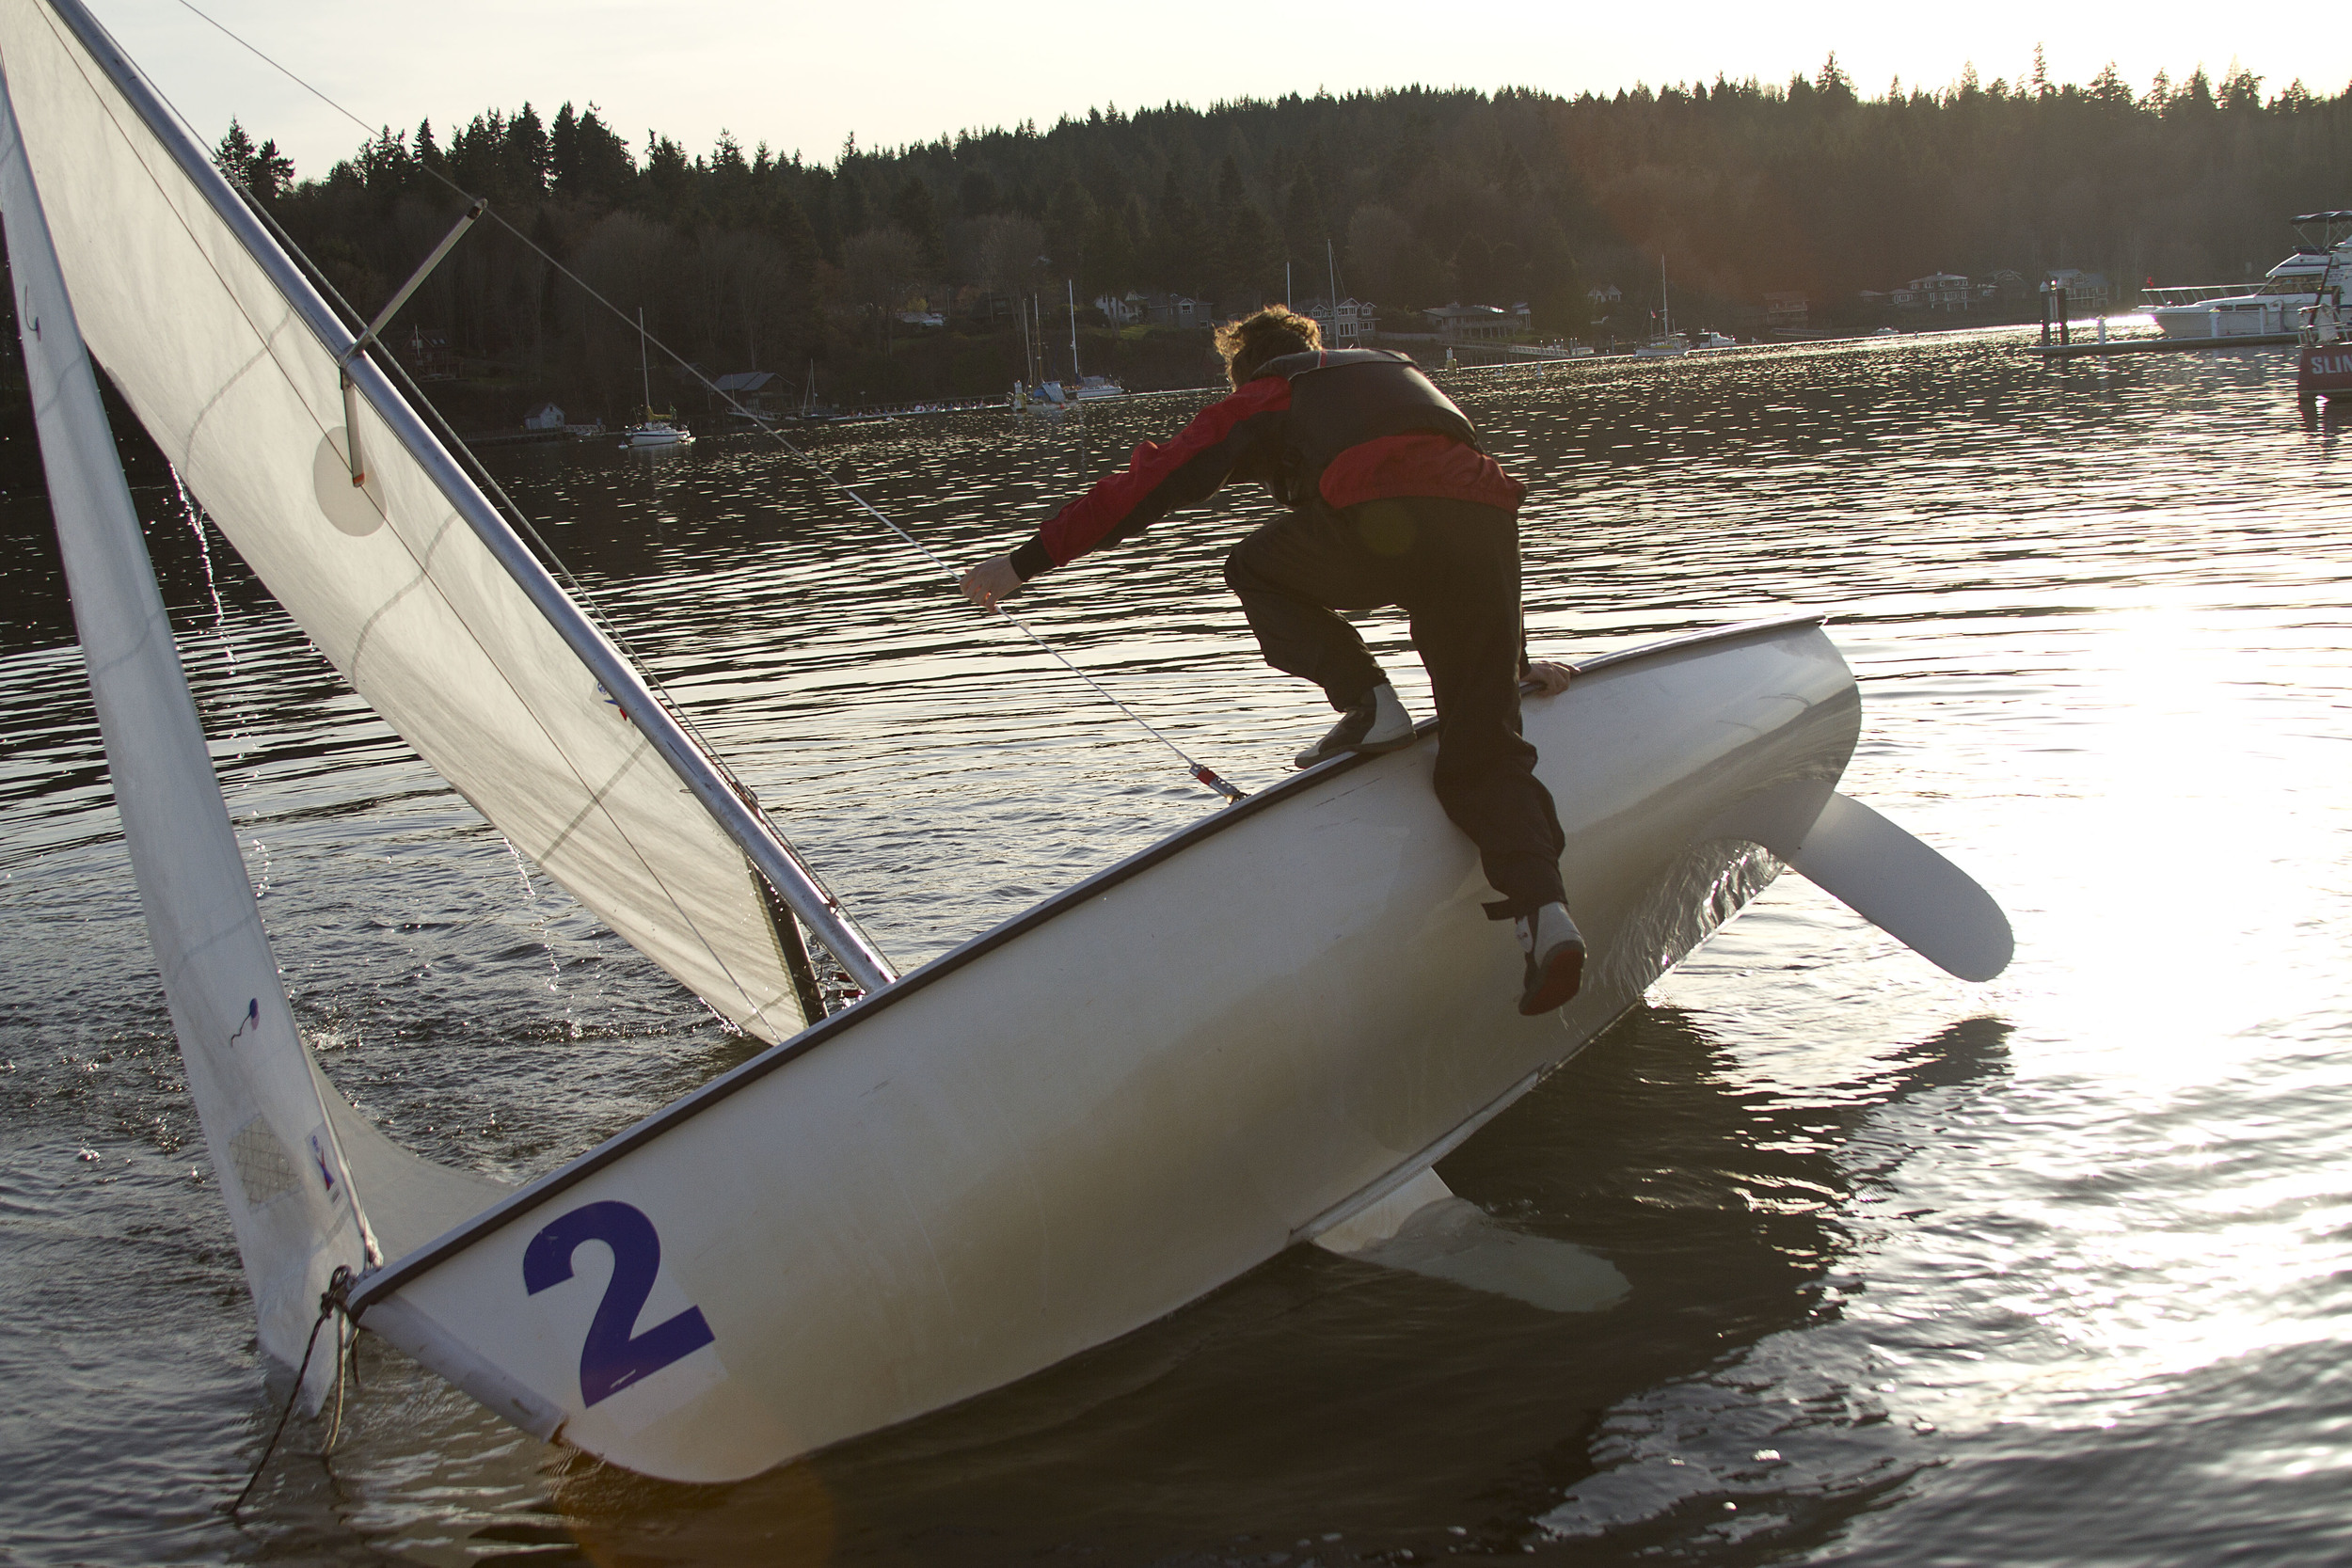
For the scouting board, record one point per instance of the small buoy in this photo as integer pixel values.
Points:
(89, 1154)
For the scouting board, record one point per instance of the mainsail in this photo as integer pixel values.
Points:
(409, 583)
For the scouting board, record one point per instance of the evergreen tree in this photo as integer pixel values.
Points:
(913, 211)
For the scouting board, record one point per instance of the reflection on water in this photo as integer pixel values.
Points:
(2047, 1270)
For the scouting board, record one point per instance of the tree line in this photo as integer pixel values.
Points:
(1413, 197)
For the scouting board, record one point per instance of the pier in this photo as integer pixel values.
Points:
(2112, 346)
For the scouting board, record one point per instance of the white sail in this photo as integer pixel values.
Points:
(227, 364)
(276, 1144)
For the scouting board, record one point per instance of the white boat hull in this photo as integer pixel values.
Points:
(1119, 1102)
(2268, 316)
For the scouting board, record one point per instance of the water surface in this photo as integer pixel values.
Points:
(2045, 1271)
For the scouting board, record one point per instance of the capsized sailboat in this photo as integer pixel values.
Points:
(1039, 1141)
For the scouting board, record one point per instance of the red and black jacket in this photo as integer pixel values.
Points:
(1340, 428)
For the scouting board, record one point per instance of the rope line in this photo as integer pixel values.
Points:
(1196, 769)
(333, 1300)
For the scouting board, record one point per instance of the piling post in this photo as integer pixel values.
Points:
(2045, 313)
(2064, 336)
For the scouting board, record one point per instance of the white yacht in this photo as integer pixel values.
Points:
(2273, 309)
(657, 432)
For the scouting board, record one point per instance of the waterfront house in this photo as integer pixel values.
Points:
(1939, 291)
(750, 389)
(1787, 313)
(1128, 309)
(2087, 293)
(546, 417)
(1353, 326)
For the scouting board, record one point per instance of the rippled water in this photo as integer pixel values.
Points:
(2047, 1271)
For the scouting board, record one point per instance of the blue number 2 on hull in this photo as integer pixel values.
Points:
(613, 1357)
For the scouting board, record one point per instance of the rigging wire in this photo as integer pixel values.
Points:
(1196, 769)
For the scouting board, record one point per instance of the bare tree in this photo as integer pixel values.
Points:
(744, 281)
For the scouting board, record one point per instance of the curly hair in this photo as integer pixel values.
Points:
(1249, 343)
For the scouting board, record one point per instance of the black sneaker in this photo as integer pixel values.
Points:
(1378, 724)
(1555, 958)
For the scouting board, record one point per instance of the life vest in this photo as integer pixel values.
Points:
(1341, 398)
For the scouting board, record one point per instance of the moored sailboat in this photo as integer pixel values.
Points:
(653, 429)
(1663, 343)
(1040, 1140)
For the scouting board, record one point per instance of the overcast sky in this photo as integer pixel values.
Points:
(804, 77)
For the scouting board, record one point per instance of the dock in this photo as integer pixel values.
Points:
(2090, 350)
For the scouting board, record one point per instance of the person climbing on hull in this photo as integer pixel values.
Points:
(1388, 501)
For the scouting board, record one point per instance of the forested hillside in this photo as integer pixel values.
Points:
(747, 260)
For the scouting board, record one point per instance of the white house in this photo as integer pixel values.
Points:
(546, 417)
(1353, 324)
(1938, 290)
(1123, 309)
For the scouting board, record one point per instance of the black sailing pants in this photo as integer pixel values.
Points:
(1454, 568)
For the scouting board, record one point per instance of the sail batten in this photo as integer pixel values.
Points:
(412, 582)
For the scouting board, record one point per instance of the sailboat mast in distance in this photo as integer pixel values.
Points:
(1076, 375)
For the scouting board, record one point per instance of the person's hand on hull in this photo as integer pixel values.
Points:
(1547, 678)
(992, 581)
